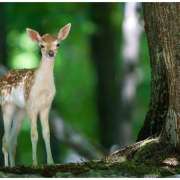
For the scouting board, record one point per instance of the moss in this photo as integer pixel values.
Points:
(147, 159)
(155, 153)
(91, 169)
(131, 168)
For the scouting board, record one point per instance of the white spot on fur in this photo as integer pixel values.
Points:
(16, 96)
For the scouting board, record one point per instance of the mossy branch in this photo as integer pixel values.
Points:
(148, 158)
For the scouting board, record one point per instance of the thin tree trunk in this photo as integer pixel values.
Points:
(104, 54)
(162, 22)
(132, 30)
(3, 47)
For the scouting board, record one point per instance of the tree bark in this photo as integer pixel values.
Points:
(162, 24)
(169, 39)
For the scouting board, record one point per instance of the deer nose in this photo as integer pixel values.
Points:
(51, 53)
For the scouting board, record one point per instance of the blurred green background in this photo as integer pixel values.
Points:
(76, 76)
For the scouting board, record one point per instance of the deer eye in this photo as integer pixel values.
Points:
(58, 45)
(41, 46)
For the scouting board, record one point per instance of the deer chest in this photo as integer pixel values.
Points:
(42, 92)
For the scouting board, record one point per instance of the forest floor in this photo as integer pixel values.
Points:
(148, 158)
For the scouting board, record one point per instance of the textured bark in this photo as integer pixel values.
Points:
(104, 55)
(169, 40)
(161, 23)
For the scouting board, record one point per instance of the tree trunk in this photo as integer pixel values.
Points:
(104, 55)
(132, 30)
(169, 40)
(162, 23)
(3, 47)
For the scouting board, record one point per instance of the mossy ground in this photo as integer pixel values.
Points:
(147, 159)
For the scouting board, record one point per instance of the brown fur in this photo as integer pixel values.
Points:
(48, 38)
(13, 78)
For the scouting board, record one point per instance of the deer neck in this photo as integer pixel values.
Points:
(45, 70)
(46, 65)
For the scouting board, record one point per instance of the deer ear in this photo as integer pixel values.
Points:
(64, 31)
(34, 35)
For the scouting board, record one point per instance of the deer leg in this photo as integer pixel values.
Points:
(34, 136)
(8, 111)
(16, 126)
(46, 133)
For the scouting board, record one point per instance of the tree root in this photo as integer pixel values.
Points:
(127, 153)
(150, 151)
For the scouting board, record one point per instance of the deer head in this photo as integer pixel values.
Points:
(49, 44)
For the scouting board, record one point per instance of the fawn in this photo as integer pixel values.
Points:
(30, 91)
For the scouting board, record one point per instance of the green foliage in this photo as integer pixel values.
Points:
(75, 75)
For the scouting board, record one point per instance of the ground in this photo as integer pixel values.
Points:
(148, 158)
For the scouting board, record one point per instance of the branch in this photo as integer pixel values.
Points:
(67, 135)
(145, 160)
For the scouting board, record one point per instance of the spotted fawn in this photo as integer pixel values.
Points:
(31, 92)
